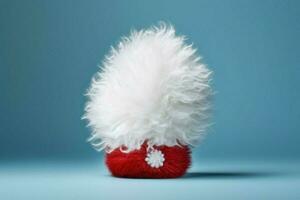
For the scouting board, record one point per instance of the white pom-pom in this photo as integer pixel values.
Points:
(152, 88)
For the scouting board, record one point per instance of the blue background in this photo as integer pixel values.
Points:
(49, 50)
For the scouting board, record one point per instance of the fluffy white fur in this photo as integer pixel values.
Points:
(153, 88)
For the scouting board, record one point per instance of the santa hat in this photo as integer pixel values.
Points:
(148, 104)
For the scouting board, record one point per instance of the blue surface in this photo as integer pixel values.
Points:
(210, 180)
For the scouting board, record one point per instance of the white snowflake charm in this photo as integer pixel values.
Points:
(155, 158)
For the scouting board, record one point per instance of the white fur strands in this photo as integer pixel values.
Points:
(152, 88)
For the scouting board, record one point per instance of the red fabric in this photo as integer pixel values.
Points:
(133, 164)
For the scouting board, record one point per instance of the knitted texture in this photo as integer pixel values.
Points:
(134, 165)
